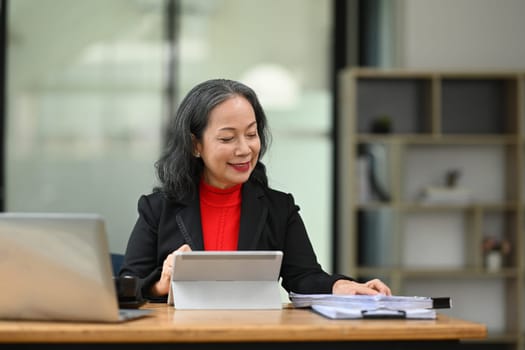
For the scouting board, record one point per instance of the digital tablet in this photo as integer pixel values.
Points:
(226, 280)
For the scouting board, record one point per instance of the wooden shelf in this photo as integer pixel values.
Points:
(438, 120)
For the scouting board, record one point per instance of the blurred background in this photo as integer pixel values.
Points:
(88, 86)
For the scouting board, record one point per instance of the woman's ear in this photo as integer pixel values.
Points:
(196, 146)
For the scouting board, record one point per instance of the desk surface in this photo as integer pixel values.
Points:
(169, 325)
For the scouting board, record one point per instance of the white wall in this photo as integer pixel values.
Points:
(460, 34)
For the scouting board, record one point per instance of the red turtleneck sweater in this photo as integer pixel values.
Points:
(220, 216)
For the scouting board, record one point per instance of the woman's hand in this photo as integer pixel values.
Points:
(371, 287)
(162, 286)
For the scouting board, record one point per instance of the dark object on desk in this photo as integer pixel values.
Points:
(441, 303)
(126, 289)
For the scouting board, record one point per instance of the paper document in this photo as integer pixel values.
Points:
(370, 302)
(371, 306)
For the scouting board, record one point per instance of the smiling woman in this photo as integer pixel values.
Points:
(282, 50)
(214, 195)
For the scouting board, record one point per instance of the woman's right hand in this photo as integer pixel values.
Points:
(162, 286)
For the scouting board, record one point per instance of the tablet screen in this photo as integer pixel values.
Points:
(227, 266)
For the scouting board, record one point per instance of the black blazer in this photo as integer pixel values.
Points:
(270, 220)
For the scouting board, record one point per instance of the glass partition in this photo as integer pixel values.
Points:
(85, 90)
(86, 93)
(282, 50)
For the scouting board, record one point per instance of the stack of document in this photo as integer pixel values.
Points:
(371, 306)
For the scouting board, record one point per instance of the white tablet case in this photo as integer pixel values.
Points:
(226, 280)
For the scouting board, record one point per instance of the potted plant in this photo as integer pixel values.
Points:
(382, 125)
(494, 251)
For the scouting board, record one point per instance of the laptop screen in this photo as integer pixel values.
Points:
(55, 267)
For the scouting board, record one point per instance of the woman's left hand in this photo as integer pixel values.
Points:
(372, 287)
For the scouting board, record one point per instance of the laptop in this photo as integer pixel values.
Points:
(226, 280)
(56, 266)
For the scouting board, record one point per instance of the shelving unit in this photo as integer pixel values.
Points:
(419, 200)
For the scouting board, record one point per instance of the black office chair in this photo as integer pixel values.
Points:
(116, 261)
(126, 286)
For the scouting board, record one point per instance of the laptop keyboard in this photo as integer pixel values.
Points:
(131, 314)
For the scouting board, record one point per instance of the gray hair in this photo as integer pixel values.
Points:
(177, 169)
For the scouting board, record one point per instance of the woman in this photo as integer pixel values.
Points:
(214, 195)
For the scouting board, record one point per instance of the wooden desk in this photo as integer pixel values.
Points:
(260, 328)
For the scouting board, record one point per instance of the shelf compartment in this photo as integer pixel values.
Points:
(375, 238)
(406, 102)
(479, 105)
(426, 166)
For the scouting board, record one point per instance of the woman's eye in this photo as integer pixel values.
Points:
(226, 139)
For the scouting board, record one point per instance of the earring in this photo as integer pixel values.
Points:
(197, 154)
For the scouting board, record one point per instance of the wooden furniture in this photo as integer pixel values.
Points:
(402, 222)
(287, 328)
